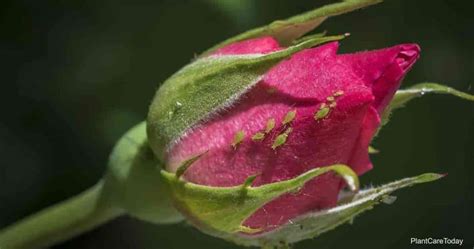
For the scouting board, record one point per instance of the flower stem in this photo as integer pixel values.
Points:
(62, 221)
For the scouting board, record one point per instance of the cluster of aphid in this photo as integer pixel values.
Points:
(322, 112)
(325, 107)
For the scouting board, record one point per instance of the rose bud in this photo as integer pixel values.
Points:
(259, 141)
(312, 110)
(261, 135)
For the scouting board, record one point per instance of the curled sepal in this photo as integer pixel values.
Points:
(198, 90)
(286, 31)
(221, 211)
(313, 224)
(404, 96)
(373, 150)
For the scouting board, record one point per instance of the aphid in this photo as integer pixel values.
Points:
(271, 90)
(238, 138)
(338, 93)
(289, 117)
(330, 98)
(321, 113)
(281, 139)
(270, 125)
(258, 136)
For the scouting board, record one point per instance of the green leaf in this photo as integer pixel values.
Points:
(200, 89)
(285, 31)
(404, 96)
(313, 224)
(220, 211)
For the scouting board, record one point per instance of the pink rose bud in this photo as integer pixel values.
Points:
(259, 135)
(314, 109)
(254, 141)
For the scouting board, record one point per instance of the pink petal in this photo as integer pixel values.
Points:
(261, 45)
(383, 69)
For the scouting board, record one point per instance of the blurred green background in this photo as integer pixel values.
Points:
(77, 74)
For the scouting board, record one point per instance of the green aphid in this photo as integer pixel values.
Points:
(321, 113)
(338, 93)
(238, 138)
(270, 125)
(281, 139)
(258, 136)
(289, 117)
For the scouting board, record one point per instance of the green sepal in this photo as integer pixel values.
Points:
(403, 96)
(286, 31)
(317, 35)
(186, 164)
(221, 211)
(373, 150)
(134, 180)
(200, 89)
(311, 225)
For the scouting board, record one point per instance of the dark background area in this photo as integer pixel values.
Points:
(77, 74)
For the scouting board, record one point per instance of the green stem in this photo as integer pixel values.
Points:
(62, 221)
